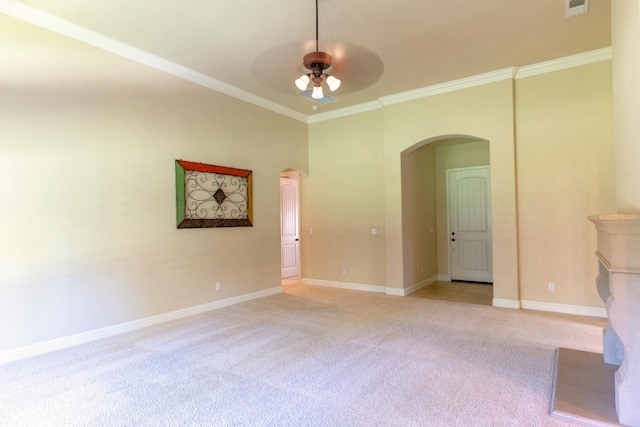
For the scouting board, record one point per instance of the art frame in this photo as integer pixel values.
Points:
(209, 196)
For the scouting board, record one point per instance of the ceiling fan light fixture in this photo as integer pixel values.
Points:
(317, 62)
(333, 83)
(302, 82)
(317, 92)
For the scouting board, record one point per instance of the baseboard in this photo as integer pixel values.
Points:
(551, 307)
(421, 284)
(72, 340)
(565, 308)
(505, 303)
(371, 288)
(396, 292)
(344, 285)
(444, 278)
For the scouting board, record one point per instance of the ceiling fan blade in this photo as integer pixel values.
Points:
(278, 67)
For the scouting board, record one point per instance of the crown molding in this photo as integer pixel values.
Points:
(480, 79)
(467, 82)
(564, 63)
(347, 111)
(51, 22)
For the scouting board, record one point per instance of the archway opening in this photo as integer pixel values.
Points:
(426, 240)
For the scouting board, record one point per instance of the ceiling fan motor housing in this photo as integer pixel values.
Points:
(317, 61)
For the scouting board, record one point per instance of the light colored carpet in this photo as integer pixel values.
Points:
(307, 357)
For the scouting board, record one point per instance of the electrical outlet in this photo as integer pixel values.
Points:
(421, 269)
(552, 287)
(344, 270)
(218, 286)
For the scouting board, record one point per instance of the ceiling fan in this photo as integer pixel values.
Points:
(317, 62)
(357, 66)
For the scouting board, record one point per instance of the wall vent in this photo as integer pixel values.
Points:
(576, 7)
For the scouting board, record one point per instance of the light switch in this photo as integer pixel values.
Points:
(311, 231)
(374, 231)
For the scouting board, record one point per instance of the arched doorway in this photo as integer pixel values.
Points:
(427, 245)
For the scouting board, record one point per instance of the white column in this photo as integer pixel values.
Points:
(625, 42)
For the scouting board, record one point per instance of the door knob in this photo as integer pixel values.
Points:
(297, 240)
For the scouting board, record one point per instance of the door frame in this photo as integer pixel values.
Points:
(488, 167)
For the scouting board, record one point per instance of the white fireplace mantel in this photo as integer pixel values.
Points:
(619, 286)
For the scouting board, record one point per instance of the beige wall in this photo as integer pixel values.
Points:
(455, 154)
(558, 124)
(419, 246)
(625, 39)
(566, 172)
(342, 199)
(87, 148)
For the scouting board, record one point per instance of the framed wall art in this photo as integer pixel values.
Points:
(213, 196)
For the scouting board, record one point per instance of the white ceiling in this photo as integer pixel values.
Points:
(379, 47)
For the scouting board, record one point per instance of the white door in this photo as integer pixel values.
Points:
(469, 200)
(289, 238)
